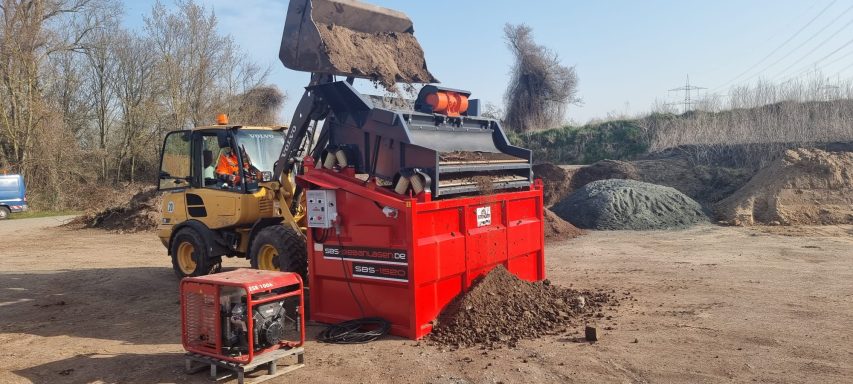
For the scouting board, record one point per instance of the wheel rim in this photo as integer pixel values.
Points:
(185, 258)
(2, 213)
(267, 257)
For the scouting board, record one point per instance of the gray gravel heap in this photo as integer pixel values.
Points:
(616, 204)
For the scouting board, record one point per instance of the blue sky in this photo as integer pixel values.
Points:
(626, 53)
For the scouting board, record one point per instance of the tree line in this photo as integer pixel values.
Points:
(87, 101)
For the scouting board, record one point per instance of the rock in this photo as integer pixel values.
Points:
(590, 333)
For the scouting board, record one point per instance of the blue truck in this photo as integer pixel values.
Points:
(13, 195)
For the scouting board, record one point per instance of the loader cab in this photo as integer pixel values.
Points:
(232, 159)
(215, 176)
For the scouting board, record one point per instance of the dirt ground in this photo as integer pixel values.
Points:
(713, 304)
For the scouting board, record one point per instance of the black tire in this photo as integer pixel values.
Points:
(4, 213)
(292, 255)
(201, 262)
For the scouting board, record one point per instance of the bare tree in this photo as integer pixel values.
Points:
(97, 48)
(134, 84)
(540, 87)
(260, 105)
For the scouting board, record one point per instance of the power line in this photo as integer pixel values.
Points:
(688, 91)
(821, 43)
(814, 64)
(788, 26)
(797, 33)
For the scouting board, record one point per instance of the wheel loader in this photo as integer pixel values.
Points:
(253, 207)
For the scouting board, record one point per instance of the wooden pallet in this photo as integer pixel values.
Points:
(196, 363)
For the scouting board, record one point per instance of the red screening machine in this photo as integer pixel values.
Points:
(407, 201)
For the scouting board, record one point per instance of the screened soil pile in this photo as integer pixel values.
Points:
(501, 309)
(141, 213)
(629, 205)
(386, 57)
(805, 186)
(556, 180)
(558, 229)
(604, 170)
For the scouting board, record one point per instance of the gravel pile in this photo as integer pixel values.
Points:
(502, 309)
(631, 205)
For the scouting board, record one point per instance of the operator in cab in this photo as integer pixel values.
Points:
(228, 168)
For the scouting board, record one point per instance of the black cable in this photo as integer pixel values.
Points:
(356, 331)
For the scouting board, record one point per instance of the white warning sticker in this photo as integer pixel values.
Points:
(484, 216)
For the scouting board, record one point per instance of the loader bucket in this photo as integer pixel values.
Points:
(350, 38)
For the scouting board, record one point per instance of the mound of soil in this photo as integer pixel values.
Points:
(502, 309)
(629, 204)
(805, 186)
(387, 57)
(706, 184)
(141, 213)
(556, 179)
(559, 229)
(604, 170)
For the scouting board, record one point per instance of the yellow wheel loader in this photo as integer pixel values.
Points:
(223, 200)
(231, 188)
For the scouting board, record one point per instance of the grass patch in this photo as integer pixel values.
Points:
(616, 140)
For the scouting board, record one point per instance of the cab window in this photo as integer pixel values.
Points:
(210, 152)
(175, 161)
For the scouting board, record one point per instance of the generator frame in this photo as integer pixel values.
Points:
(252, 282)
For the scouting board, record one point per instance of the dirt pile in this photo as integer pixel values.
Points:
(604, 170)
(705, 183)
(386, 57)
(629, 204)
(558, 229)
(141, 213)
(556, 179)
(502, 309)
(805, 186)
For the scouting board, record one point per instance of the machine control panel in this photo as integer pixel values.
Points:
(322, 208)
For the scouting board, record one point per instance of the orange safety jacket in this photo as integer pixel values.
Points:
(228, 165)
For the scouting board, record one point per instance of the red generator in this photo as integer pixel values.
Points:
(241, 315)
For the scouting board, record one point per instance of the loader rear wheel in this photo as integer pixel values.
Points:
(280, 248)
(190, 255)
(4, 213)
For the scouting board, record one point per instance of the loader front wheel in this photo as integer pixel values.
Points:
(190, 255)
(280, 248)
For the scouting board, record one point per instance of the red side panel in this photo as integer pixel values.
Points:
(200, 310)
